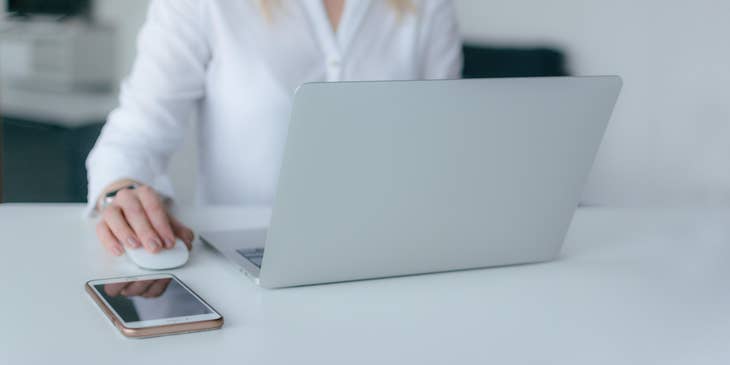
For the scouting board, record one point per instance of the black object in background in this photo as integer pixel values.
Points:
(56, 7)
(43, 162)
(481, 61)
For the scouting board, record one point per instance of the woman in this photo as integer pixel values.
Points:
(237, 63)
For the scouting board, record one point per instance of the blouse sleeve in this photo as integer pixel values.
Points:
(440, 41)
(156, 100)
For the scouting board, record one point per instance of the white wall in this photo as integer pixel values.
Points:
(670, 136)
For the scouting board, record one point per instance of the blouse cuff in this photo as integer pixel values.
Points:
(160, 183)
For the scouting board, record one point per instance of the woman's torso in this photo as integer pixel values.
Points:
(258, 62)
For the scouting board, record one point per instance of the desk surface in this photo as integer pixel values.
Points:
(632, 287)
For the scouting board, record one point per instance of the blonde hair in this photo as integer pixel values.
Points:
(401, 7)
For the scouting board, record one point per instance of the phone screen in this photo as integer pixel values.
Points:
(152, 299)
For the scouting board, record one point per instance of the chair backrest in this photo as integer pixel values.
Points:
(490, 61)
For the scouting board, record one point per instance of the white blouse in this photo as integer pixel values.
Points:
(238, 69)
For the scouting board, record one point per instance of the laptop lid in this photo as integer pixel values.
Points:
(404, 177)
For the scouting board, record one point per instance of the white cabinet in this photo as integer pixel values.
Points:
(57, 56)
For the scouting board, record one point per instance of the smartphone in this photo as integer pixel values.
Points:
(153, 305)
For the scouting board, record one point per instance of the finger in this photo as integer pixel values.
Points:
(108, 240)
(114, 289)
(157, 214)
(137, 288)
(125, 287)
(156, 289)
(183, 232)
(116, 222)
(137, 218)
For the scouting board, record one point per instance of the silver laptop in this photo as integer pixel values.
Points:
(384, 179)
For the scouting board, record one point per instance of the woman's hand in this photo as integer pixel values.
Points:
(139, 217)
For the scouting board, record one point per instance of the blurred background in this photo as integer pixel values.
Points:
(669, 141)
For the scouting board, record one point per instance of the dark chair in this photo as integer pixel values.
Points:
(483, 61)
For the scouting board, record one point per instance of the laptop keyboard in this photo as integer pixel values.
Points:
(254, 255)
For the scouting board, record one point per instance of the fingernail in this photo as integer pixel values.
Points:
(154, 244)
(132, 242)
(170, 242)
(117, 250)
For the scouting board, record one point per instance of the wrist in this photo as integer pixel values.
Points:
(108, 194)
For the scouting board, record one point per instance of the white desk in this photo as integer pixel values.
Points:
(633, 287)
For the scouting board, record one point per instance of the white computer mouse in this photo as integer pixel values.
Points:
(168, 258)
